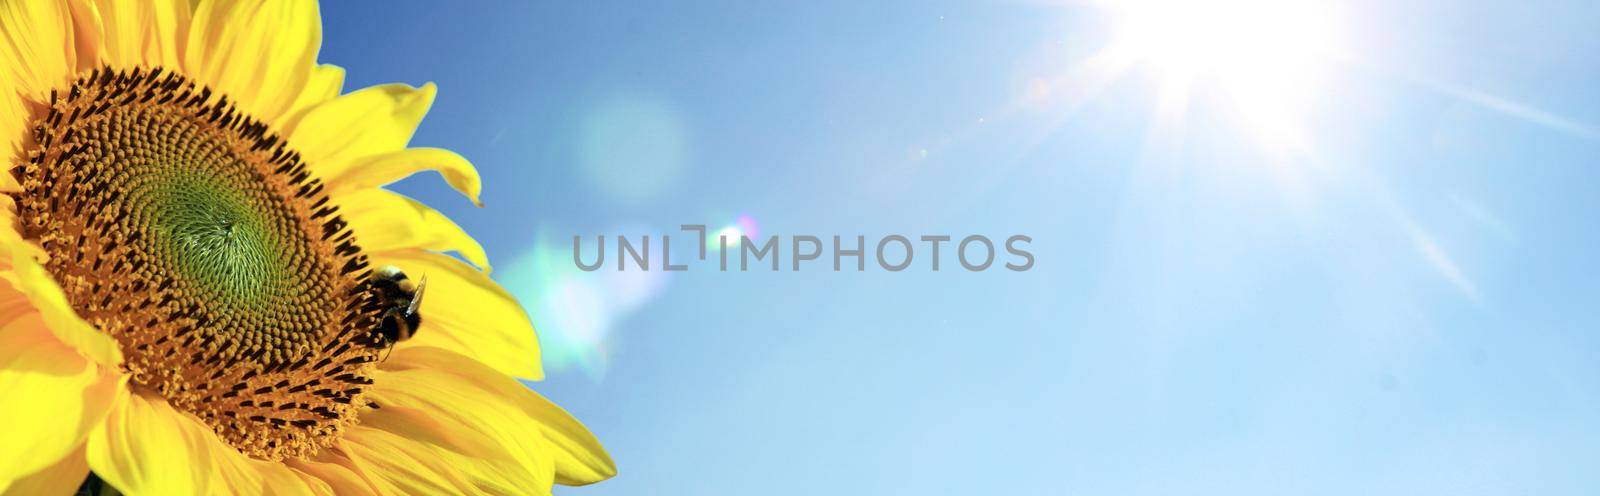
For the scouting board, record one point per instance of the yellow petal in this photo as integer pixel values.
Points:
(168, 23)
(385, 221)
(239, 474)
(276, 478)
(446, 384)
(333, 468)
(13, 130)
(378, 170)
(147, 447)
(281, 482)
(445, 412)
(439, 432)
(126, 33)
(466, 312)
(259, 53)
(403, 465)
(379, 119)
(325, 83)
(53, 396)
(46, 295)
(37, 54)
(36, 46)
(63, 477)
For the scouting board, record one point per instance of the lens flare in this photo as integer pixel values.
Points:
(1267, 57)
(742, 226)
(575, 312)
(634, 148)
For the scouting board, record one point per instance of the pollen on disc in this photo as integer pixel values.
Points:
(198, 239)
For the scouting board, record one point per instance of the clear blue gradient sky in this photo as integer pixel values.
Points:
(1404, 305)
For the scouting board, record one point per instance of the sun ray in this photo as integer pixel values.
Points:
(1512, 108)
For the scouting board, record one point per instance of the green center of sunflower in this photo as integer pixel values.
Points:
(191, 235)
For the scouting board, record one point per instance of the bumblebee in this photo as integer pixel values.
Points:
(400, 299)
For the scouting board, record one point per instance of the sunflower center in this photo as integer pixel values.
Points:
(191, 235)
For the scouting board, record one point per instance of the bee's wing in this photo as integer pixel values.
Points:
(416, 299)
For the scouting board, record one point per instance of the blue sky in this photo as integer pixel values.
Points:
(1385, 288)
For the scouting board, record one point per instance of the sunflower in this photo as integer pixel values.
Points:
(193, 231)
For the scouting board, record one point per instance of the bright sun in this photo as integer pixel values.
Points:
(1266, 55)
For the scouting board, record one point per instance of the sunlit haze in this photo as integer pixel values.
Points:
(1265, 55)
